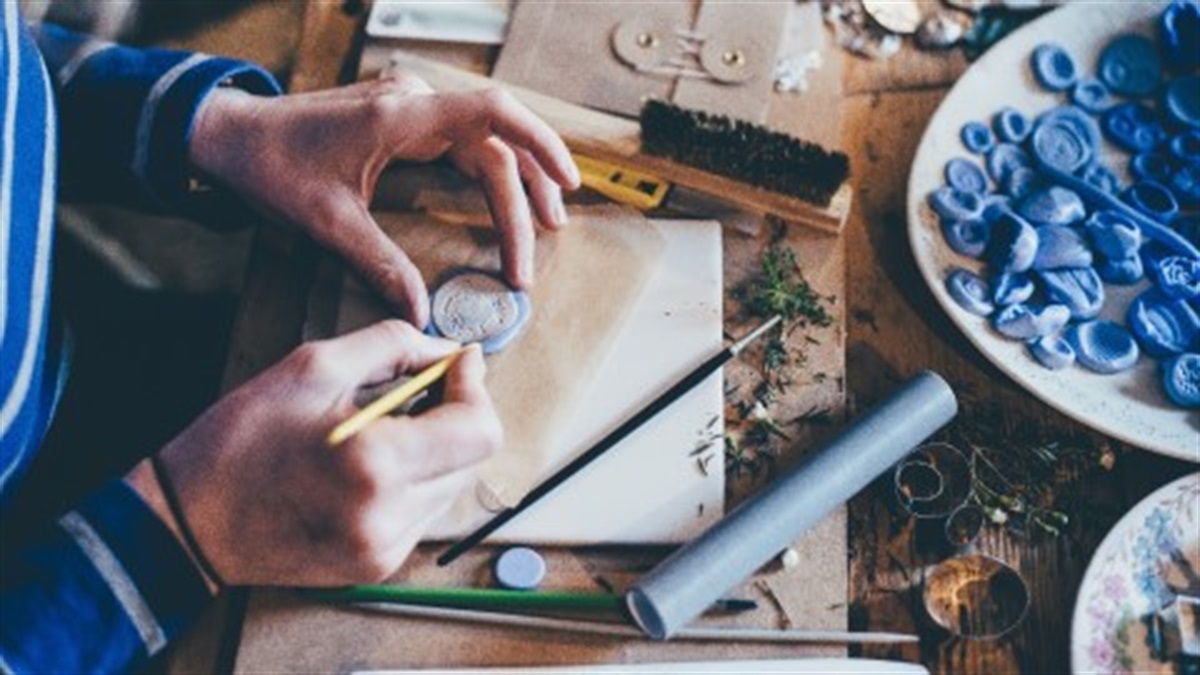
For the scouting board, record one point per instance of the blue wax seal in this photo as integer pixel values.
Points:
(1061, 246)
(1005, 157)
(966, 176)
(1079, 288)
(968, 236)
(1152, 199)
(1163, 326)
(476, 306)
(1130, 65)
(952, 204)
(1053, 67)
(1182, 99)
(1181, 380)
(1009, 288)
(1133, 127)
(520, 568)
(1052, 351)
(969, 291)
(1103, 346)
(1011, 126)
(977, 137)
(1179, 33)
(1091, 95)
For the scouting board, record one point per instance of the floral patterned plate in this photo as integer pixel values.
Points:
(1149, 557)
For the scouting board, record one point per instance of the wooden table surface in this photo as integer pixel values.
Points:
(893, 329)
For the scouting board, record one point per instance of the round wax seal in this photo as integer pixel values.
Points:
(478, 307)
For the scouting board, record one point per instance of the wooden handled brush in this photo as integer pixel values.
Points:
(776, 174)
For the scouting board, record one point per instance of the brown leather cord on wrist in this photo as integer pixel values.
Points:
(189, 538)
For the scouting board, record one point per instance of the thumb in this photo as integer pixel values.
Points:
(384, 350)
(354, 234)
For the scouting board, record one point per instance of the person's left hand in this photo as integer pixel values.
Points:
(313, 160)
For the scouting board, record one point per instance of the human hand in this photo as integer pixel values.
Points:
(270, 503)
(314, 160)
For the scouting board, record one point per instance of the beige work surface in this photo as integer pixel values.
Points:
(267, 630)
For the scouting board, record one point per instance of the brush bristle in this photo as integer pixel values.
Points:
(743, 151)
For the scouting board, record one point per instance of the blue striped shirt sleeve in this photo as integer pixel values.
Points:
(135, 151)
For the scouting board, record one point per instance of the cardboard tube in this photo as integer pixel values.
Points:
(692, 578)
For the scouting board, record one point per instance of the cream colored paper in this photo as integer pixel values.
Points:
(588, 276)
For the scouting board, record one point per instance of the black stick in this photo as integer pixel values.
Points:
(683, 386)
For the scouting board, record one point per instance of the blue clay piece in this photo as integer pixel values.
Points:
(970, 291)
(520, 568)
(1103, 346)
(1080, 289)
(1163, 327)
(1185, 146)
(1113, 235)
(1023, 322)
(951, 204)
(1184, 184)
(1177, 276)
(1152, 199)
(1091, 95)
(1060, 247)
(1133, 127)
(1181, 380)
(1151, 166)
(1053, 67)
(1052, 351)
(1023, 182)
(1122, 272)
(967, 237)
(1011, 126)
(1060, 146)
(1182, 99)
(977, 137)
(1188, 226)
(1130, 66)
(994, 206)
(1009, 288)
(1012, 245)
(1077, 119)
(1098, 175)
(1004, 158)
(1052, 206)
(966, 176)
(1179, 33)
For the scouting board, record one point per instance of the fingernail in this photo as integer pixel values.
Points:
(560, 213)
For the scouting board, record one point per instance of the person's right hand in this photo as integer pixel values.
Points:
(271, 504)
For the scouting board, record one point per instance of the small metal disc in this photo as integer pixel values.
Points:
(902, 17)
(643, 43)
(478, 307)
(729, 61)
(520, 568)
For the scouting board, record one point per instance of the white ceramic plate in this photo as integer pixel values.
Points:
(1140, 566)
(1130, 406)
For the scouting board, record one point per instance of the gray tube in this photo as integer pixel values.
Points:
(692, 578)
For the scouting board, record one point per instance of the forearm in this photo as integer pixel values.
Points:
(103, 589)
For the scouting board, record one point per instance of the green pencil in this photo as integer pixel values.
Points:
(472, 598)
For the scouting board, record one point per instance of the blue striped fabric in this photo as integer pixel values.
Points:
(107, 585)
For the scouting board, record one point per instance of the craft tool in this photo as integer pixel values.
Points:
(618, 630)
(756, 169)
(676, 391)
(683, 585)
(390, 401)
(647, 192)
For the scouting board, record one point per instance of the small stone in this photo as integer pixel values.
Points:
(790, 558)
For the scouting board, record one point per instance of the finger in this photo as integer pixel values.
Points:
(383, 350)
(544, 194)
(494, 165)
(350, 230)
(495, 112)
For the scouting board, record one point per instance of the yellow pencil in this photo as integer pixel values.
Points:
(390, 401)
